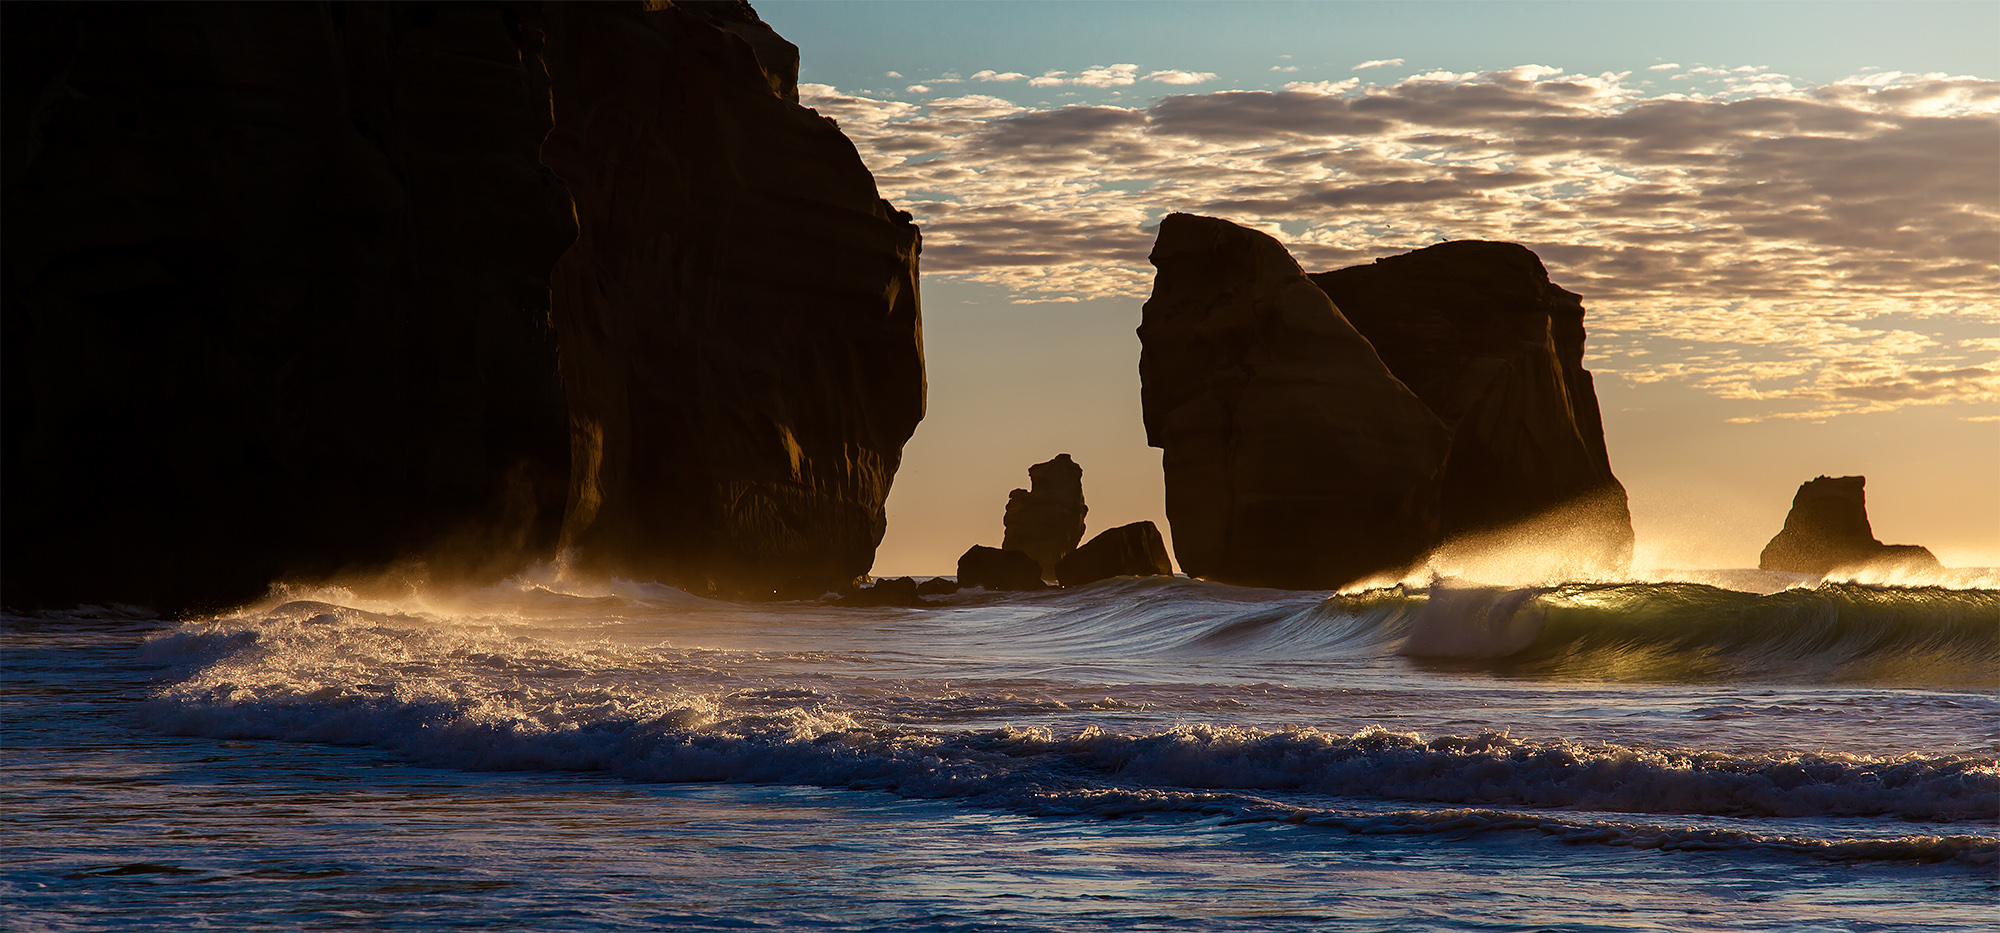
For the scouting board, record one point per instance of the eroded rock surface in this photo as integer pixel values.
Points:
(278, 301)
(1503, 448)
(1293, 457)
(1134, 550)
(1827, 530)
(1045, 521)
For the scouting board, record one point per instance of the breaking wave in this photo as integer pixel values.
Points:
(487, 696)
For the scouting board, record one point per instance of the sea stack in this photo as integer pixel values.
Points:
(1827, 530)
(1504, 432)
(1045, 521)
(1293, 457)
(296, 290)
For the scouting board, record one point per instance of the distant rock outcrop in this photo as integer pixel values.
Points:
(999, 569)
(1045, 521)
(1827, 530)
(1134, 550)
(1307, 447)
(278, 300)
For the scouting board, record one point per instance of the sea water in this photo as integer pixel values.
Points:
(1710, 752)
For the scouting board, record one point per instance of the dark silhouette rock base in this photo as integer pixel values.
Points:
(999, 569)
(1827, 531)
(1134, 550)
(896, 591)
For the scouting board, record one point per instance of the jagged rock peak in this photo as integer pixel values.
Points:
(1046, 520)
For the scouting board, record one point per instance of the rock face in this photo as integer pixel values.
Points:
(739, 318)
(998, 569)
(1045, 521)
(1827, 530)
(1134, 550)
(278, 300)
(1374, 412)
(1495, 349)
(1293, 457)
(277, 297)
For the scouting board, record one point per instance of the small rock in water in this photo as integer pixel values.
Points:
(999, 569)
(937, 586)
(1827, 530)
(900, 591)
(1134, 550)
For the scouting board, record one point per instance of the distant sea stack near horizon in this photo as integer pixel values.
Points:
(295, 291)
(1827, 530)
(1321, 429)
(1046, 520)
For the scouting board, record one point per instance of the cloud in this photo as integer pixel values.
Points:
(1284, 67)
(1181, 77)
(892, 74)
(1664, 66)
(990, 75)
(1805, 249)
(1107, 76)
(1378, 63)
(917, 89)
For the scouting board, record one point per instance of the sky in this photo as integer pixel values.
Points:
(1783, 218)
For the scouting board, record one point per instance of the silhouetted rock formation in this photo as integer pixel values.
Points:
(739, 315)
(276, 296)
(278, 300)
(897, 591)
(1134, 550)
(1476, 421)
(998, 569)
(1827, 530)
(1293, 457)
(1045, 521)
(1495, 349)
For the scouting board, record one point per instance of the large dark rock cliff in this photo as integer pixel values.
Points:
(1827, 530)
(278, 300)
(1293, 457)
(1367, 416)
(1478, 331)
(739, 317)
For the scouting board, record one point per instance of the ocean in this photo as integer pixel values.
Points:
(1697, 751)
